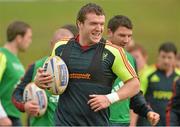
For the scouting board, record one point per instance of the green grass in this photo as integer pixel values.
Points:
(155, 21)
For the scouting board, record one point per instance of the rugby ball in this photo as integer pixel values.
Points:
(32, 92)
(57, 68)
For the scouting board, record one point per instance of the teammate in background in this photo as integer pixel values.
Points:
(173, 109)
(93, 65)
(157, 80)
(120, 33)
(4, 120)
(31, 107)
(19, 36)
(140, 55)
(65, 32)
(178, 61)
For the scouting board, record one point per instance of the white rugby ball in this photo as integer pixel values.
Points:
(57, 68)
(33, 92)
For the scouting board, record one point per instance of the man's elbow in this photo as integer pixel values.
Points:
(136, 86)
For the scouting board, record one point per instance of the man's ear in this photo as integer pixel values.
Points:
(109, 33)
(18, 38)
(78, 24)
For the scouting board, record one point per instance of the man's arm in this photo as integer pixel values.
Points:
(140, 106)
(17, 97)
(4, 120)
(123, 69)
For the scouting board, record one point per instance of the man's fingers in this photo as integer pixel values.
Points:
(93, 103)
(44, 86)
(93, 98)
(154, 119)
(97, 109)
(93, 95)
(40, 70)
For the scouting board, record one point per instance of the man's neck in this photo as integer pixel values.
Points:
(84, 42)
(12, 47)
(169, 71)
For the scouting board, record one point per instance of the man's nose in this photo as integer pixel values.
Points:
(99, 27)
(126, 39)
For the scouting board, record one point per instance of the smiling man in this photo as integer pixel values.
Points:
(93, 66)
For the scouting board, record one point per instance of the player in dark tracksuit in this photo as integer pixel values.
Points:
(173, 109)
(157, 82)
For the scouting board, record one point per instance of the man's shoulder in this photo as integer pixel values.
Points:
(114, 49)
(150, 70)
(2, 50)
(177, 71)
(60, 43)
(2, 57)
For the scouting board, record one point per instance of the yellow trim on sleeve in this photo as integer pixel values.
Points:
(62, 42)
(3, 61)
(121, 66)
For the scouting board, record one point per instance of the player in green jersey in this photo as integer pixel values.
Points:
(120, 34)
(31, 107)
(19, 36)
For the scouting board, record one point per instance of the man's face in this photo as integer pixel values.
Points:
(25, 41)
(140, 59)
(178, 63)
(166, 60)
(92, 29)
(121, 37)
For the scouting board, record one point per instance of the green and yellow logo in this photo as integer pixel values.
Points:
(162, 95)
(155, 78)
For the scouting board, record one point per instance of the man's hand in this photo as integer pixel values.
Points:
(42, 79)
(5, 121)
(32, 108)
(98, 102)
(153, 117)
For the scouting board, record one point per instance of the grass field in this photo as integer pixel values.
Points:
(155, 21)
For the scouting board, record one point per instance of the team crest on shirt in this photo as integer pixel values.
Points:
(104, 56)
(54, 98)
(17, 67)
(155, 78)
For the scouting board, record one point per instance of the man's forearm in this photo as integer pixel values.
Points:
(129, 89)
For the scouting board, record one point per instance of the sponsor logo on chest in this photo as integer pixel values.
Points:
(17, 67)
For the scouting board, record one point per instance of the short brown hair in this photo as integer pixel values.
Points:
(16, 28)
(119, 20)
(89, 8)
(168, 47)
